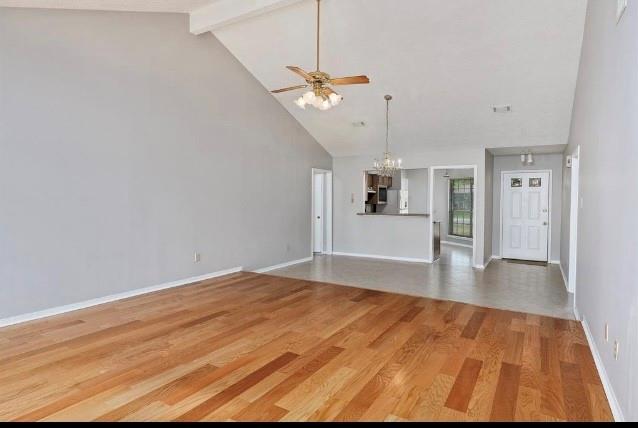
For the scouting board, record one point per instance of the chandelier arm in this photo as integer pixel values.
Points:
(387, 126)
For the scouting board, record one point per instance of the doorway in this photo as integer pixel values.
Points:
(453, 214)
(321, 214)
(525, 215)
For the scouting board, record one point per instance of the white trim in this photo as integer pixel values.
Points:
(474, 207)
(562, 272)
(462, 238)
(371, 256)
(283, 265)
(573, 221)
(456, 244)
(495, 257)
(609, 390)
(551, 208)
(483, 267)
(18, 319)
(328, 210)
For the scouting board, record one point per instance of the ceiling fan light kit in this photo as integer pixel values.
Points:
(321, 97)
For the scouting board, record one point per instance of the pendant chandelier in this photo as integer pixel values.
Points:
(388, 166)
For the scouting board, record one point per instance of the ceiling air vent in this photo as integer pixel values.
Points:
(502, 109)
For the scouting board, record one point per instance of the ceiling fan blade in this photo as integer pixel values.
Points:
(327, 91)
(300, 72)
(278, 91)
(354, 80)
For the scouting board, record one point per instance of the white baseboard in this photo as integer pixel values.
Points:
(112, 298)
(609, 390)
(483, 267)
(396, 259)
(562, 272)
(283, 265)
(457, 244)
(554, 262)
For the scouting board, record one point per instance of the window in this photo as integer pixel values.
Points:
(461, 202)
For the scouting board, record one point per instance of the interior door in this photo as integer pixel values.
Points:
(525, 209)
(318, 209)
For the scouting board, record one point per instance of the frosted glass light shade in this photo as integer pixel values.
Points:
(335, 99)
(301, 103)
(309, 97)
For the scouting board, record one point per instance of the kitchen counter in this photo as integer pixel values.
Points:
(393, 215)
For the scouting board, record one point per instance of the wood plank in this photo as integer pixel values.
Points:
(576, 396)
(252, 347)
(459, 397)
(233, 391)
(504, 406)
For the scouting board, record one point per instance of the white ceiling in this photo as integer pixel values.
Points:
(181, 6)
(538, 150)
(445, 62)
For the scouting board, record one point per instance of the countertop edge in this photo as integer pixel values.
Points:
(392, 215)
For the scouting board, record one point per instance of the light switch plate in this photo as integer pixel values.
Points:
(620, 10)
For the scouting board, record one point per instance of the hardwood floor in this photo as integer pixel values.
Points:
(254, 347)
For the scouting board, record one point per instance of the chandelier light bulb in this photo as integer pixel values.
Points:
(309, 97)
(301, 103)
(530, 159)
(523, 159)
(317, 101)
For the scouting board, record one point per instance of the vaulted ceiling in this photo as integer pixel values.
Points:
(446, 62)
(178, 6)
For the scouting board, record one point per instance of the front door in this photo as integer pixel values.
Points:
(525, 209)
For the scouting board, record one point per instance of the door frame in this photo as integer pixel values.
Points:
(327, 217)
(573, 222)
(551, 210)
(474, 208)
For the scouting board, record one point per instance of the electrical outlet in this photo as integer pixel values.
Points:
(198, 257)
(616, 349)
(606, 332)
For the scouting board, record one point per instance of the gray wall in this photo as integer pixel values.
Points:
(489, 206)
(606, 128)
(395, 237)
(403, 237)
(553, 162)
(127, 144)
(418, 194)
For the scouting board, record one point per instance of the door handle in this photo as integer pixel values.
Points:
(318, 218)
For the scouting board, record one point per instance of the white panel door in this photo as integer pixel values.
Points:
(525, 208)
(318, 208)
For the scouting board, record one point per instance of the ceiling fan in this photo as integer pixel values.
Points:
(322, 96)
